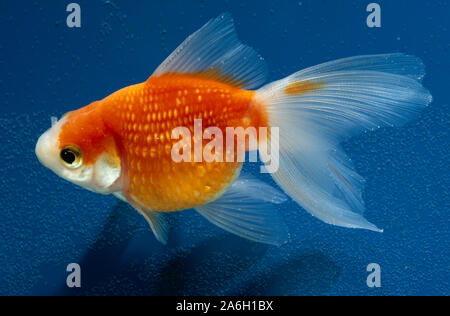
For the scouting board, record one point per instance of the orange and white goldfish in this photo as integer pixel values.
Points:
(123, 144)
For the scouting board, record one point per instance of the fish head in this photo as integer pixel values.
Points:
(78, 149)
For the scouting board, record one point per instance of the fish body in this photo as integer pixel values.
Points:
(141, 119)
(127, 143)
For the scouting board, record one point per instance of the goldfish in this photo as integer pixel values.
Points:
(124, 144)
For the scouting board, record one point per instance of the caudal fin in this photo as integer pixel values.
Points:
(316, 108)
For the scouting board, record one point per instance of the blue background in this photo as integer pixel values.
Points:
(46, 223)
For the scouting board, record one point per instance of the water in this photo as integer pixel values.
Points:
(47, 223)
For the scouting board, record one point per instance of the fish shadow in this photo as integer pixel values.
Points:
(201, 269)
(214, 266)
(100, 262)
(309, 274)
(210, 267)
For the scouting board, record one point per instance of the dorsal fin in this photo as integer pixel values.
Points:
(214, 51)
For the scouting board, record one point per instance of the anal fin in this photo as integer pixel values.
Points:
(247, 209)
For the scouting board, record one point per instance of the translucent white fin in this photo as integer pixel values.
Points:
(53, 120)
(120, 196)
(157, 221)
(215, 50)
(158, 224)
(316, 108)
(397, 63)
(246, 209)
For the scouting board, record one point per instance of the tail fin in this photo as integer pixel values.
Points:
(316, 108)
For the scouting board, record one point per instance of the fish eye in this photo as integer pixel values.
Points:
(71, 156)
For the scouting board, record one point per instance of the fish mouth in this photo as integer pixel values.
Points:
(43, 149)
(38, 150)
(46, 149)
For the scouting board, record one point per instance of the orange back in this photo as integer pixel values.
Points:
(143, 116)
